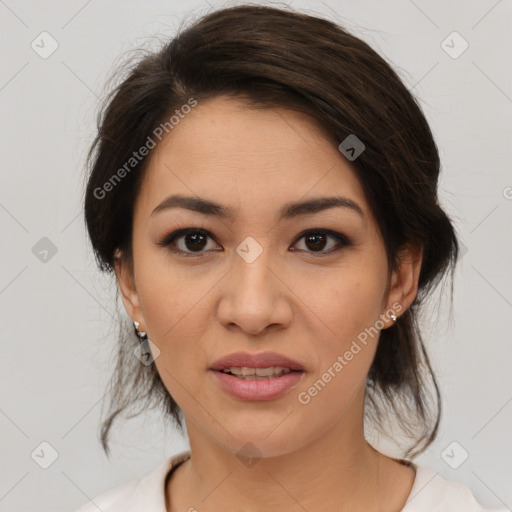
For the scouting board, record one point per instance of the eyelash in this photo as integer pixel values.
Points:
(168, 240)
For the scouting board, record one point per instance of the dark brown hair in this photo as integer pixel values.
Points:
(276, 57)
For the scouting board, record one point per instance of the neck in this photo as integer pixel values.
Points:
(339, 467)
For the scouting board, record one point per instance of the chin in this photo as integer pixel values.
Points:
(254, 449)
(261, 438)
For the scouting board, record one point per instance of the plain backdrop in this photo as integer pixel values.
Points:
(57, 321)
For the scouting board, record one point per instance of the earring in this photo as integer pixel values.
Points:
(140, 334)
(393, 317)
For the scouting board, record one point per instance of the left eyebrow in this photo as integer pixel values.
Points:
(291, 210)
(286, 212)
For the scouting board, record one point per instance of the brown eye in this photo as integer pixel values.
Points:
(195, 241)
(187, 241)
(316, 241)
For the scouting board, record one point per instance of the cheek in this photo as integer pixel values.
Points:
(348, 306)
(176, 308)
(173, 298)
(346, 337)
(345, 353)
(334, 395)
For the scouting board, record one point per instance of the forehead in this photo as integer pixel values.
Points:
(247, 158)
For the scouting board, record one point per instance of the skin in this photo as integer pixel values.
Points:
(295, 302)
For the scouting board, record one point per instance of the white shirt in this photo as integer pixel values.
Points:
(430, 493)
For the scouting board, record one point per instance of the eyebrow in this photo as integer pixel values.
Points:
(287, 211)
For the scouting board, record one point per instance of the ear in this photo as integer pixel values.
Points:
(404, 282)
(126, 285)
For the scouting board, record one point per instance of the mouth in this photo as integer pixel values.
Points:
(263, 364)
(247, 373)
(257, 376)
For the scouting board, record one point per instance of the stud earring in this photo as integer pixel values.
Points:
(140, 334)
(393, 317)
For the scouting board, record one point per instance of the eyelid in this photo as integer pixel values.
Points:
(169, 238)
(342, 239)
(329, 232)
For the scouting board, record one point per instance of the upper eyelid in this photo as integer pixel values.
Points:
(179, 233)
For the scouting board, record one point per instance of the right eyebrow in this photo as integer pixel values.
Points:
(287, 211)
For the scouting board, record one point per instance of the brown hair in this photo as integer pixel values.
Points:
(274, 57)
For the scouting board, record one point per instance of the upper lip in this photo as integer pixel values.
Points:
(259, 360)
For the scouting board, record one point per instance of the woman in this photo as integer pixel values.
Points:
(265, 190)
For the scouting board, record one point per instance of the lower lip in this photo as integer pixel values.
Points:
(258, 389)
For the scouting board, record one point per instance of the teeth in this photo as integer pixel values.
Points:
(245, 372)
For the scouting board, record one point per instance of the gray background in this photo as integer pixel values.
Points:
(57, 321)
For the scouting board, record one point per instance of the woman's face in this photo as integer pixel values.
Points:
(253, 281)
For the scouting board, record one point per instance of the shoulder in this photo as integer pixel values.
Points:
(146, 493)
(431, 491)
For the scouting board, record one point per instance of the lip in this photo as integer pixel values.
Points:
(260, 360)
(257, 389)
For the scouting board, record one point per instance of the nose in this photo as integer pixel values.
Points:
(255, 297)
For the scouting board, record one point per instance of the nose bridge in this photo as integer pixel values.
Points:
(253, 267)
(254, 297)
